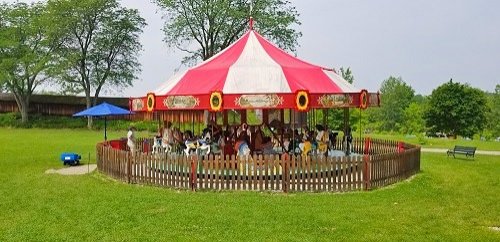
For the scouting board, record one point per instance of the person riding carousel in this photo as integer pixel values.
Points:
(211, 136)
(322, 139)
(167, 140)
(262, 143)
(241, 146)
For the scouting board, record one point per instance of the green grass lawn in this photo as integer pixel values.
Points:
(451, 200)
(442, 142)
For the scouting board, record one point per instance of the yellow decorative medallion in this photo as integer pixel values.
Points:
(151, 102)
(216, 101)
(363, 99)
(302, 100)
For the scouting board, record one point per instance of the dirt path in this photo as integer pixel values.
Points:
(73, 170)
(480, 152)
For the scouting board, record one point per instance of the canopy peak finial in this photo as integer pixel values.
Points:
(251, 12)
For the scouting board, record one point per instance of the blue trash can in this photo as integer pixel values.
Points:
(70, 158)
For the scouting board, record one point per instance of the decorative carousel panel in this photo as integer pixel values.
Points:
(179, 102)
(335, 100)
(138, 104)
(258, 101)
(374, 100)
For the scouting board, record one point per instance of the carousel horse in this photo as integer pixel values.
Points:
(306, 147)
(157, 145)
(322, 143)
(201, 146)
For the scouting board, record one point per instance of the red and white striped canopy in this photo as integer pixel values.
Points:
(252, 73)
(253, 65)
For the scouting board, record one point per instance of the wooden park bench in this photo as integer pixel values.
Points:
(464, 150)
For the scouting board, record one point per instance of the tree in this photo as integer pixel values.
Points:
(413, 119)
(101, 45)
(27, 45)
(456, 109)
(395, 96)
(347, 74)
(214, 25)
(493, 116)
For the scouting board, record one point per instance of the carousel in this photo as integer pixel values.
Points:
(255, 84)
(254, 117)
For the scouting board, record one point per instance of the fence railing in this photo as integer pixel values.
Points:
(374, 163)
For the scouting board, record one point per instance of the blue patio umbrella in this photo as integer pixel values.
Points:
(103, 110)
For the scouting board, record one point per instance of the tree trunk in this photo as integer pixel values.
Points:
(23, 106)
(89, 105)
(23, 109)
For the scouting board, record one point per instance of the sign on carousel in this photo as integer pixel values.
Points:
(335, 100)
(138, 104)
(259, 101)
(181, 102)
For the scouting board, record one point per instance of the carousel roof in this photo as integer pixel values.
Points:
(253, 65)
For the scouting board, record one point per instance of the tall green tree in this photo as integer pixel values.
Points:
(27, 47)
(395, 97)
(214, 25)
(493, 116)
(456, 109)
(413, 119)
(101, 45)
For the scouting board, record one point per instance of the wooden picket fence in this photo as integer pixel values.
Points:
(375, 163)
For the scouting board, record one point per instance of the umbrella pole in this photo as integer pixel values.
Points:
(105, 134)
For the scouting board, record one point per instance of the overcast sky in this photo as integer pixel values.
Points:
(426, 42)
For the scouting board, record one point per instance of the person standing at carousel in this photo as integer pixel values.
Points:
(131, 140)
(348, 141)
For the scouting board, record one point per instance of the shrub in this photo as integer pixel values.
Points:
(9, 119)
(59, 122)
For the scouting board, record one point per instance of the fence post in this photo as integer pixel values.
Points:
(284, 173)
(129, 166)
(367, 145)
(401, 147)
(193, 174)
(366, 173)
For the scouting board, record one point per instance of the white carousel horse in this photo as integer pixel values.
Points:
(159, 146)
(198, 147)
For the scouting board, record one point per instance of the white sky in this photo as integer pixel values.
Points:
(426, 42)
